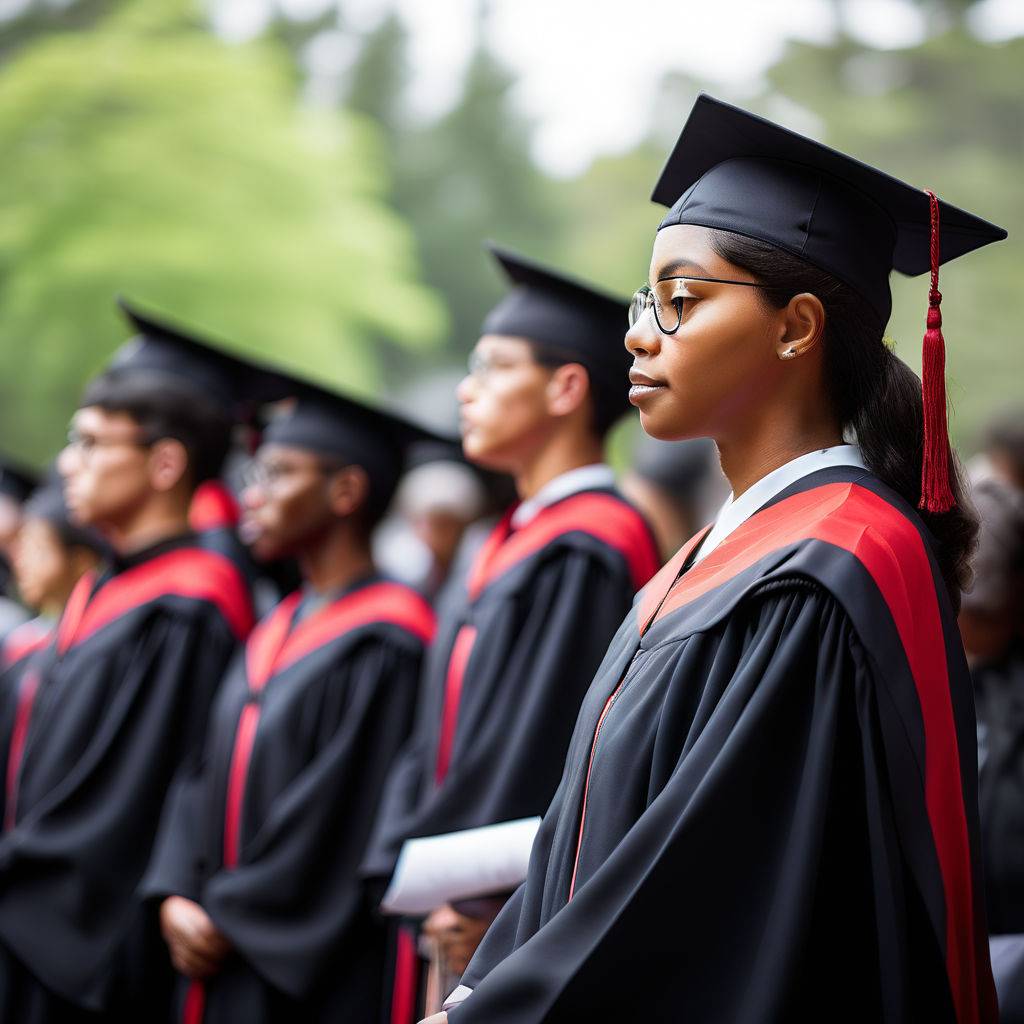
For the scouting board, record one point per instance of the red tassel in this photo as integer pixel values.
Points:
(936, 494)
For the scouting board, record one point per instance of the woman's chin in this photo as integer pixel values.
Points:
(664, 428)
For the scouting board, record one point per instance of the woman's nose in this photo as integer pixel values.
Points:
(643, 338)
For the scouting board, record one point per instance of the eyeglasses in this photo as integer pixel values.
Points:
(267, 475)
(87, 444)
(668, 298)
(481, 366)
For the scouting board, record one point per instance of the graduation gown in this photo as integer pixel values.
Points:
(768, 811)
(18, 688)
(123, 697)
(999, 692)
(269, 835)
(502, 684)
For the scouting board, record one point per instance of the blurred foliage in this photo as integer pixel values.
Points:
(145, 156)
(148, 158)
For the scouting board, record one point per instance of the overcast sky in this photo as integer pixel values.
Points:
(587, 69)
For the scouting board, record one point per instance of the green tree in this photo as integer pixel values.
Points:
(146, 157)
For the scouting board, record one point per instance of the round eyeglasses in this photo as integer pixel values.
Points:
(668, 298)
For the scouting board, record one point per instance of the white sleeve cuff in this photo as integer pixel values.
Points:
(456, 997)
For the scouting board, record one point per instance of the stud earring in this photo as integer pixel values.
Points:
(788, 354)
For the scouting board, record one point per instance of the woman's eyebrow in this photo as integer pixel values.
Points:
(676, 268)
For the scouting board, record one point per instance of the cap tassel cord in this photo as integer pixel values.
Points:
(936, 495)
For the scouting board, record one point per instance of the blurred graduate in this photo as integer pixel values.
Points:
(50, 555)
(769, 808)
(516, 650)
(262, 909)
(125, 685)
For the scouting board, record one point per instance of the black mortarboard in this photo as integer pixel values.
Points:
(169, 351)
(548, 307)
(17, 480)
(735, 171)
(351, 431)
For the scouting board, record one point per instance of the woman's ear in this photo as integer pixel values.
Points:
(347, 490)
(802, 326)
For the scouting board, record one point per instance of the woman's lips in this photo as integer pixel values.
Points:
(643, 386)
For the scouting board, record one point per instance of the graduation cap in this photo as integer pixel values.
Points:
(167, 350)
(738, 172)
(350, 431)
(17, 481)
(568, 315)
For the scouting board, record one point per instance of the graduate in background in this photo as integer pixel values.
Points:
(261, 906)
(17, 482)
(678, 486)
(124, 687)
(50, 555)
(769, 808)
(992, 625)
(514, 655)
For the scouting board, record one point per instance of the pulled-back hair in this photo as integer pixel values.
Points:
(164, 407)
(874, 394)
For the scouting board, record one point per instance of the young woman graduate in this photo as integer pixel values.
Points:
(124, 686)
(50, 555)
(503, 684)
(261, 906)
(768, 812)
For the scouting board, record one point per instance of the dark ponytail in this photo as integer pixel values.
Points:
(875, 395)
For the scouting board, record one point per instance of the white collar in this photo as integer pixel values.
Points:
(737, 511)
(596, 476)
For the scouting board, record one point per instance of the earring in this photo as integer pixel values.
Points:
(788, 354)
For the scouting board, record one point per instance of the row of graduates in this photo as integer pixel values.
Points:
(202, 811)
(757, 779)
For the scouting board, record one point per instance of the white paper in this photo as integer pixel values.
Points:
(460, 865)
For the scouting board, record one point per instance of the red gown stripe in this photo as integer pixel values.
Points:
(213, 507)
(27, 691)
(457, 662)
(889, 547)
(407, 978)
(195, 1004)
(607, 518)
(186, 572)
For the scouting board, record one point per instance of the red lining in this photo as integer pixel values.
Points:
(890, 548)
(607, 518)
(275, 646)
(379, 602)
(213, 507)
(186, 572)
(195, 1004)
(27, 691)
(407, 978)
(457, 662)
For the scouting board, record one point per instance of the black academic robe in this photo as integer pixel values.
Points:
(268, 835)
(18, 687)
(123, 696)
(768, 811)
(503, 682)
(999, 692)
